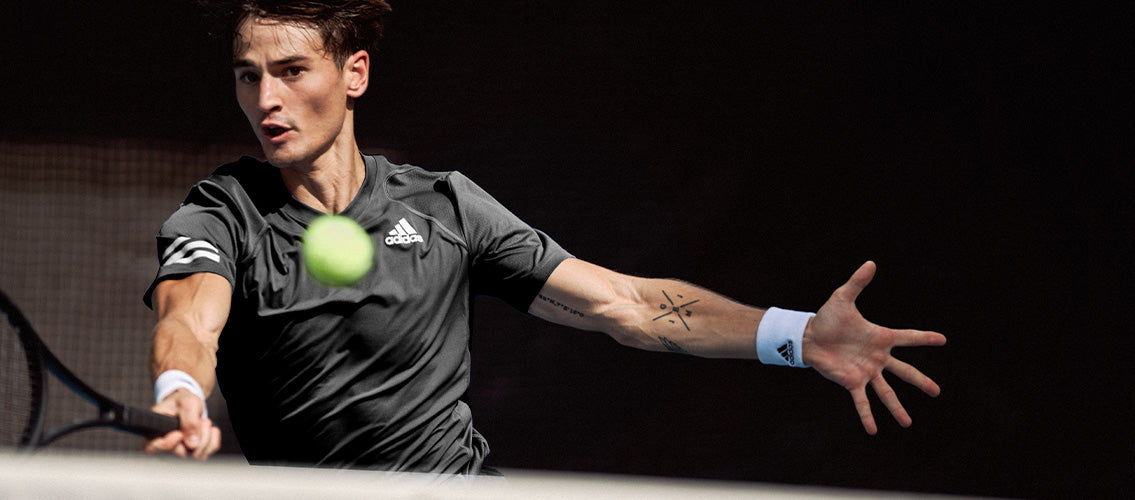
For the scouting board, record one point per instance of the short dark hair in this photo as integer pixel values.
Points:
(346, 26)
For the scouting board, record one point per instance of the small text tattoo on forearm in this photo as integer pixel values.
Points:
(676, 311)
(561, 305)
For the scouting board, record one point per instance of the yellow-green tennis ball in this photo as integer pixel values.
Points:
(337, 250)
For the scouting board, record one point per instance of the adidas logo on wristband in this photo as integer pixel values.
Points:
(779, 337)
(788, 352)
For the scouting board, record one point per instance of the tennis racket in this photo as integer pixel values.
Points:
(25, 362)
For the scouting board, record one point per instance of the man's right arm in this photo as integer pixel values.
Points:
(192, 311)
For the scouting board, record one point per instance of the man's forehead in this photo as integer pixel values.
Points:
(277, 40)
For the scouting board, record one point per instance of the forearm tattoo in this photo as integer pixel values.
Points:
(677, 311)
(672, 346)
(568, 309)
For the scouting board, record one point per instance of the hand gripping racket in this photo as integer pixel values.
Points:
(24, 359)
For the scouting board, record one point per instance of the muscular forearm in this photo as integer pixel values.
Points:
(177, 348)
(680, 317)
(651, 314)
(191, 314)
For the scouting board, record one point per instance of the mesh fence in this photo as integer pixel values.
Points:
(78, 220)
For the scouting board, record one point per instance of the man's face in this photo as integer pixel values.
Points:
(294, 94)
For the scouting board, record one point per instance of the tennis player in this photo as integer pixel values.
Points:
(370, 376)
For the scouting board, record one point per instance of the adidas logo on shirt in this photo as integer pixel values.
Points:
(788, 352)
(403, 234)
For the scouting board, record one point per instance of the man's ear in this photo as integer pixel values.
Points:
(357, 71)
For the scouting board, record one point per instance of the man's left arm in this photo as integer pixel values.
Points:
(671, 315)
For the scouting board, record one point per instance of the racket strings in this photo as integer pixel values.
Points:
(20, 386)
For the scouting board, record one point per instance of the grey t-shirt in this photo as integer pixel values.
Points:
(366, 376)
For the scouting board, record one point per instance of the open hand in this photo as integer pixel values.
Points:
(853, 352)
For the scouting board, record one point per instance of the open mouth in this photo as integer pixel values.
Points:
(274, 131)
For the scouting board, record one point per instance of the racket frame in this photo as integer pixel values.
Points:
(111, 413)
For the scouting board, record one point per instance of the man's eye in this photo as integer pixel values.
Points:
(293, 71)
(248, 77)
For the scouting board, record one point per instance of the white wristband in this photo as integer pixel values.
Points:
(780, 336)
(172, 380)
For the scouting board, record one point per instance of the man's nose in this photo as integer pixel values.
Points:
(269, 98)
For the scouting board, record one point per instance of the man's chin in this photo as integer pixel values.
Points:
(279, 157)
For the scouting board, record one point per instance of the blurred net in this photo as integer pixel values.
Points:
(109, 476)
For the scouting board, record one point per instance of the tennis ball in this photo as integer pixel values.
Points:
(337, 250)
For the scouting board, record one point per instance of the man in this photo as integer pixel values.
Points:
(370, 375)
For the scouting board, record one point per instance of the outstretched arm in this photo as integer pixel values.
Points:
(649, 314)
(191, 313)
(671, 315)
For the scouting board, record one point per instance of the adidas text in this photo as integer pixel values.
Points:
(404, 239)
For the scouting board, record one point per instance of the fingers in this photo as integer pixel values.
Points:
(910, 374)
(871, 354)
(201, 438)
(913, 376)
(208, 442)
(918, 338)
(200, 445)
(858, 281)
(197, 437)
(171, 441)
(890, 400)
(174, 443)
(214, 442)
(888, 396)
(863, 407)
(166, 443)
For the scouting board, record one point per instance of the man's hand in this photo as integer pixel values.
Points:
(853, 352)
(197, 437)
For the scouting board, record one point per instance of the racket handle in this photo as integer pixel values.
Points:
(147, 423)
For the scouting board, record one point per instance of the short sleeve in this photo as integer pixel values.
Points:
(510, 259)
(200, 237)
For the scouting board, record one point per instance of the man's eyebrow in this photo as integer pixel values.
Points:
(245, 63)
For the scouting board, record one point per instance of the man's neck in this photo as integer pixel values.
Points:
(331, 182)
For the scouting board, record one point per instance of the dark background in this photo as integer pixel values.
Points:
(980, 153)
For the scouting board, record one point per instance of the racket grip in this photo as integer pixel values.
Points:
(147, 423)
